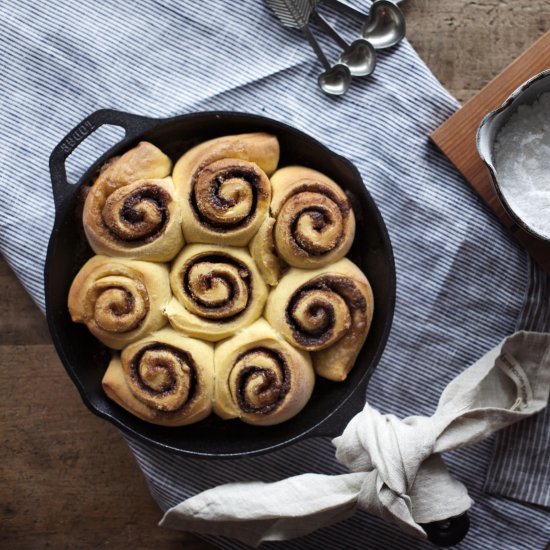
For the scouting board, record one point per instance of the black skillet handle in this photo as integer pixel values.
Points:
(334, 425)
(447, 532)
(132, 124)
(442, 533)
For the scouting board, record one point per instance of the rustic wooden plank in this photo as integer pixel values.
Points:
(466, 43)
(67, 476)
(457, 138)
(19, 322)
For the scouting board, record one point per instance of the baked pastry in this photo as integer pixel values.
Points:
(224, 187)
(260, 378)
(165, 378)
(327, 311)
(315, 224)
(120, 300)
(131, 210)
(217, 291)
(262, 250)
(219, 353)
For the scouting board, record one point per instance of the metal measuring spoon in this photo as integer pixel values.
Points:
(383, 27)
(335, 80)
(359, 56)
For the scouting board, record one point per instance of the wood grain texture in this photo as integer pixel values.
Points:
(67, 478)
(466, 43)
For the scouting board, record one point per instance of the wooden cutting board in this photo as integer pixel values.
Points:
(456, 138)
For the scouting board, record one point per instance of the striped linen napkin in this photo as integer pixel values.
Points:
(462, 286)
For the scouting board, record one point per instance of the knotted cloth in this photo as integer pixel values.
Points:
(398, 473)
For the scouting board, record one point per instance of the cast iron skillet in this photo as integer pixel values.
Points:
(85, 359)
(332, 405)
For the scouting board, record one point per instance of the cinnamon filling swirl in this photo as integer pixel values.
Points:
(163, 377)
(226, 192)
(137, 214)
(117, 304)
(321, 313)
(216, 286)
(312, 222)
(261, 379)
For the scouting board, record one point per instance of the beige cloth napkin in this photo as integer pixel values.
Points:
(397, 471)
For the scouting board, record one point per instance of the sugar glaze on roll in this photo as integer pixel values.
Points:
(260, 378)
(224, 187)
(315, 224)
(327, 311)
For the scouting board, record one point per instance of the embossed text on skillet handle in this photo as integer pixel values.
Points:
(132, 124)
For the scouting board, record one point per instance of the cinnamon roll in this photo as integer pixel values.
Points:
(120, 300)
(217, 291)
(327, 311)
(165, 378)
(224, 187)
(260, 378)
(131, 210)
(262, 249)
(315, 224)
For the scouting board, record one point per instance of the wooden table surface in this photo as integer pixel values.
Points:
(67, 479)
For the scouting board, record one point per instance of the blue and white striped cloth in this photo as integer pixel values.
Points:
(463, 284)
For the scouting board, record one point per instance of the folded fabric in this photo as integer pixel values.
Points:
(400, 475)
(462, 282)
(519, 467)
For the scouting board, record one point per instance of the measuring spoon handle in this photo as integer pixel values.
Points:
(329, 29)
(316, 47)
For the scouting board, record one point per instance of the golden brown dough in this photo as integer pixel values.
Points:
(315, 224)
(165, 378)
(217, 291)
(120, 300)
(260, 378)
(262, 249)
(245, 224)
(327, 311)
(224, 187)
(131, 210)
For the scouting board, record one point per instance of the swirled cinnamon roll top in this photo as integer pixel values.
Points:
(217, 291)
(119, 300)
(165, 378)
(298, 227)
(260, 378)
(224, 187)
(327, 311)
(315, 224)
(131, 210)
